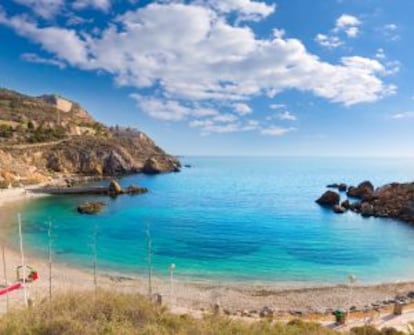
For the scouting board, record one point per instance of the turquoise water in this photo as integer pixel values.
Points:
(238, 219)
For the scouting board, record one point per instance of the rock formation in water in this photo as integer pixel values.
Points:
(329, 198)
(395, 201)
(52, 137)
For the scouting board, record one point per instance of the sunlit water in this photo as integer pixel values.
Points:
(236, 219)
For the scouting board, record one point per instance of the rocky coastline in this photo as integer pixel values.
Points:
(394, 200)
(40, 142)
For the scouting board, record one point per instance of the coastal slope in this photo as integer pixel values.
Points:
(52, 137)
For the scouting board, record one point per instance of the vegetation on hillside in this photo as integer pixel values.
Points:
(25, 119)
(127, 314)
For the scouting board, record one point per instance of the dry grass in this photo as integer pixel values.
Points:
(126, 314)
(102, 313)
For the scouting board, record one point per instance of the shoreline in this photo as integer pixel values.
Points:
(198, 296)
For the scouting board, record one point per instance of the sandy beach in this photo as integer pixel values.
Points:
(199, 297)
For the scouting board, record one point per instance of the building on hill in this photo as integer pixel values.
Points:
(57, 101)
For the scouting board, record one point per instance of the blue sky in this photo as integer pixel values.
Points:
(225, 77)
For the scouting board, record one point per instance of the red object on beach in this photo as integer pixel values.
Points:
(11, 288)
(34, 276)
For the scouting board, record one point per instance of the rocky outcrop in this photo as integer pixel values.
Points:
(41, 144)
(114, 188)
(91, 208)
(395, 201)
(160, 164)
(362, 191)
(329, 199)
(391, 201)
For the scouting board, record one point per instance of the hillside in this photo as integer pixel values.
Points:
(50, 137)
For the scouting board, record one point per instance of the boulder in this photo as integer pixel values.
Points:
(338, 209)
(329, 198)
(132, 189)
(363, 191)
(160, 164)
(91, 207)
(345, 204)
(341, 187)
(114, 188)
(367, 209)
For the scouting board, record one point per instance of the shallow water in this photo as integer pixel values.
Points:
(236, 219)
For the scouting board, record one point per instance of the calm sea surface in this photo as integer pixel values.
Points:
(236, 219)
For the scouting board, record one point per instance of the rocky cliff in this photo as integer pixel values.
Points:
(43, 138)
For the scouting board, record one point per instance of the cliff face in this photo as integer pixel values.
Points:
(49, 137)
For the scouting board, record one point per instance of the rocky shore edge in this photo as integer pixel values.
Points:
(394, 200)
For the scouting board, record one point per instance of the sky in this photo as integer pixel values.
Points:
(225, 77)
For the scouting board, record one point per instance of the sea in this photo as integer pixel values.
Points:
(237, 219)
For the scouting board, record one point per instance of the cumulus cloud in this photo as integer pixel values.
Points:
(194, 58)
(168, 110)
(247, 10)
(242, 108)
(43, 8)
(65, 44)
(347, 24)
(98, 4)
(328, 41)
(288, 116)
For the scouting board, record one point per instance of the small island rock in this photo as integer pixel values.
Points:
(338, 209)
(363, 191)
(91, 207)
(329, 198)
(114, 188)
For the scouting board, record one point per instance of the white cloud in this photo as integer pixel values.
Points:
(276, 131)
(168, 110)
(43, 8)
(279, 33)
(225, 118)
(390, 32)
(345, 21)
(242, 109)
(65, 44)
(380, 54)
(349, 24)
(98, 4)
(246, 9)
(277, 106)
(202, 58)
(403, 115)
(34, 58)
(328, 41)
(288, 116)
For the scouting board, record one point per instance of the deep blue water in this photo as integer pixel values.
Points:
(244, 219)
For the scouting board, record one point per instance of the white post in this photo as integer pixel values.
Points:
(22, 259)
(172, 268)
(149, 259)
(49, 234)
(352, 280)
